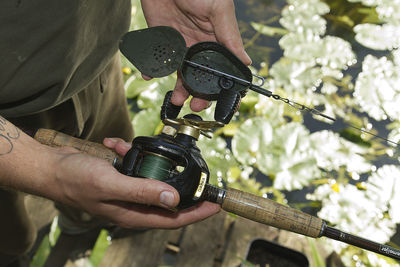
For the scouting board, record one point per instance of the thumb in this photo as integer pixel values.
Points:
(144, 191)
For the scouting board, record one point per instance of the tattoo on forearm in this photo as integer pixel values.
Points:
(8, 134)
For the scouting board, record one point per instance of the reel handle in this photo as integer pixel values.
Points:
(169, 110)
(56, 139)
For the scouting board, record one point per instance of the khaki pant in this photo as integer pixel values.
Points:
(98, 111)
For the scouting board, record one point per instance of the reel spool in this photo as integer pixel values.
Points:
(155, 166)
(173, 157)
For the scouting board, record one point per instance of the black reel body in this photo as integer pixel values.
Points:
(174, 160)
(160, 51)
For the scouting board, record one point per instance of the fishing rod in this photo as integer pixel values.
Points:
(174, 158)
(271, 213)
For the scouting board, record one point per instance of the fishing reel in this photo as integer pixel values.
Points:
(173, 157)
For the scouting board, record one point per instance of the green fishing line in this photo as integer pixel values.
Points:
(155, 167)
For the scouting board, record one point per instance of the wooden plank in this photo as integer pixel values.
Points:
(301, 244)
(71, 247)
(136, 249)
(242, 232)
(240, 235)
(334, 260)
(175, 236)
(41, 210)
(200, 242)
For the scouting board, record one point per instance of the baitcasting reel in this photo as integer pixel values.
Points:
(173, 157)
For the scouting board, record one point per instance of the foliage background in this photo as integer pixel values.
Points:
(338, 56)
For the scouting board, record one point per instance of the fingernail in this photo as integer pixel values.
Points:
(113, 140)
(249, 58)
(167, 198)
(127, 145)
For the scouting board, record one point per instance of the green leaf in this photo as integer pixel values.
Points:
(248, 102)
(371, 15)
(153, 96)
(42, 253)
(99, 248)
(345, 20)
(268, 30)
(135, 86)
(246, 263)
(145, 122)
(316, 257)
(229, 129)
(251, 137)
(219, 159)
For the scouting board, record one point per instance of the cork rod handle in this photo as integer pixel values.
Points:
(57, 139)
(271, 213)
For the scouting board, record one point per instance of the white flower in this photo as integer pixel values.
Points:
(333, 152)
(396, 57)
(377, 260)
(377, 88)
(394, 136)
(367, 2)
(381, 37)
(378, 37)
(351, 210)
(301, 46)
(304, 16)
(389, 11)
(330, 51)
(328, 88)
(295, 76)
(383, 187)
(218, 157)
(308, 56)
(284, 153)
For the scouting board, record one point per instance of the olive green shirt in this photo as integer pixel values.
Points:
(52, 49)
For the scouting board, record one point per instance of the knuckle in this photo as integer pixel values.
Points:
(140, 194)
(123, 224)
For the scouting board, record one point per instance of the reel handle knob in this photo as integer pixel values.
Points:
(169, 110)
(227, 104)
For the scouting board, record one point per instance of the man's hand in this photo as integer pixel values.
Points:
(95, 186)
(197, 20)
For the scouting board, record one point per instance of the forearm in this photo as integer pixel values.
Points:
(25, 164)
